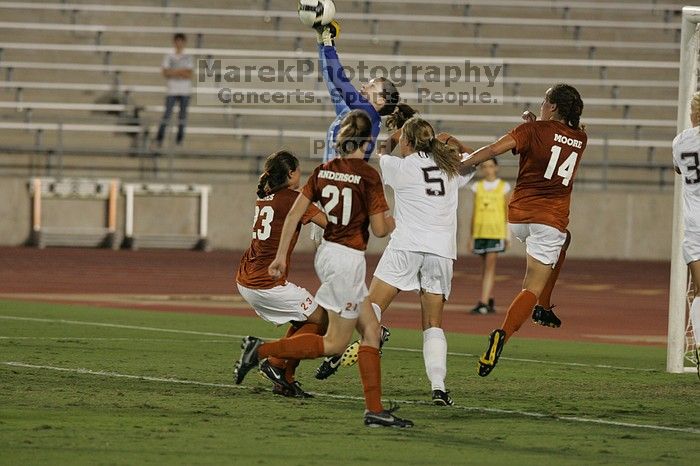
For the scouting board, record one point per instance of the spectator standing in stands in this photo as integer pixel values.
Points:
(177, 69)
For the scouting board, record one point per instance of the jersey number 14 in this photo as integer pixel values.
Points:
(566, 169)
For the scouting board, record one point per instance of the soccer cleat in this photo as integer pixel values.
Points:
(441, 398)
(545, 317)
(274, 374)
(326, 34)
(492, 305)
(480, 309)
(298, 392)
(294, 390)
(328, 367)
(697, 359)
(350, 355)
(386, 418)
(249, 358)
(384, 337)
(489, 359)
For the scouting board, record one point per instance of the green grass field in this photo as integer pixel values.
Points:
(80, 385)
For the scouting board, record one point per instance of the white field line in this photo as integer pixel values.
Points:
(229, 335)
(169, 340)
(578, 419)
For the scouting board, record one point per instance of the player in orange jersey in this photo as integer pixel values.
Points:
(275, 299)
(550, 151)
(352, 196)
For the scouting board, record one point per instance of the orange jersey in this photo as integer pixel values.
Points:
(270, 213)
(550, 153)
(350, 191)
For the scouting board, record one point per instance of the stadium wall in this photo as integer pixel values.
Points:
(610, 225)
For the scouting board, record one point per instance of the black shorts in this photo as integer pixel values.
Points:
(483, 246)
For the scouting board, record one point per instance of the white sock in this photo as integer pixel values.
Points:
(435, 357)
(695, 319)
(378, 311)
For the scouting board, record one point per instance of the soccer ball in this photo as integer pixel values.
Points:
(316, 12)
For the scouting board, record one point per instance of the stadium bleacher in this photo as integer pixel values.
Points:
(58, 59)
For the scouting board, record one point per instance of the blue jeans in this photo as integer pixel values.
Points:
(183, 101)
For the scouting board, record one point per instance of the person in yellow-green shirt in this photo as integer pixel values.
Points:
(489, 228)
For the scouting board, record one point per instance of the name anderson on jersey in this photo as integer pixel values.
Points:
(336, 176)
(568, 141)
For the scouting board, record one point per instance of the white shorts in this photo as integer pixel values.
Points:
(542, 242)
(415, 271)
(281, 304)
(691, 246)
(342, 274)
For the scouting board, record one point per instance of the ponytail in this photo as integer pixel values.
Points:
(421, 136)
(355, 131)
(276, 174)
(401, 114)
(262, 184)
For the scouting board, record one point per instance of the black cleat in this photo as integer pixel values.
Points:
(441, 398)
(489, 359)
(249, 358)
(545, 317)
(292, 390)
(386, 418)
(384, 336)
(274, 374)
(328, 367)
(298, 392)
(480, 309)
(492, 306)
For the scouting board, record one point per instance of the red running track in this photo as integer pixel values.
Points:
(604, 301)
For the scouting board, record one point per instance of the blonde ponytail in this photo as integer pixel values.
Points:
(421, 136)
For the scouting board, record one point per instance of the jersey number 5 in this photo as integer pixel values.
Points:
(267, 214)
(566, 170)
(333, 194)
(692, 168)
(439, 189)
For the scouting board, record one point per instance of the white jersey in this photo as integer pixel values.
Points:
(174, 61)
(425, 204)
(686, 156)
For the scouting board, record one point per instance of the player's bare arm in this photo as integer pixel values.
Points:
(503, 145)
(279, 265)
(382, 224)
(447, 138)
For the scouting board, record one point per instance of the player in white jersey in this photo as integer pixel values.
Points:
(426, 178)
(686, 159)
